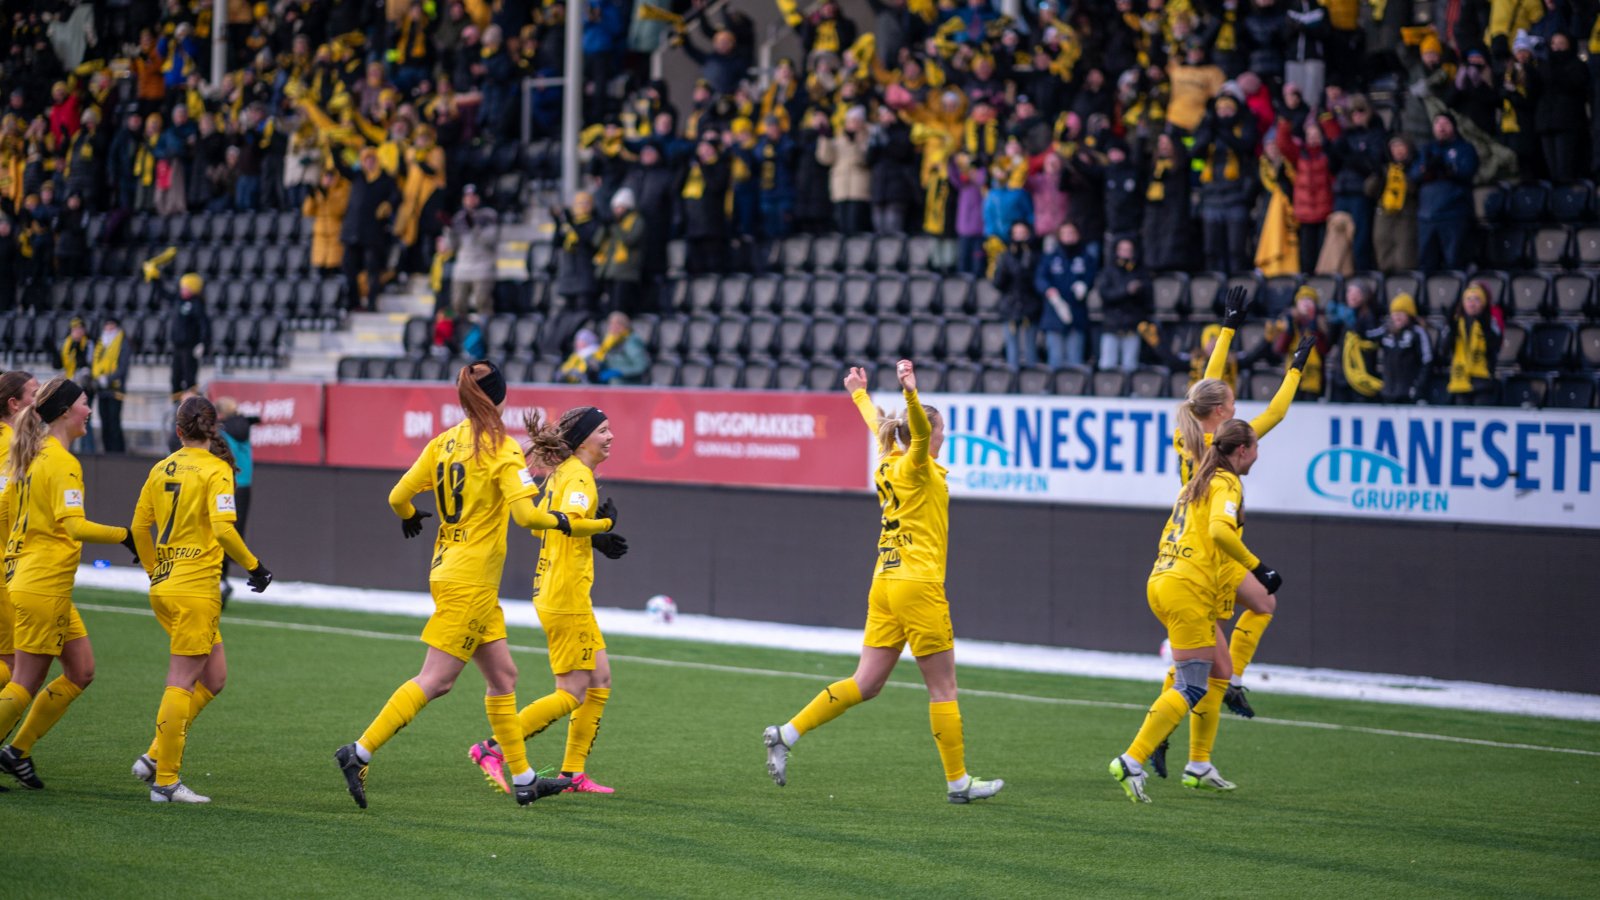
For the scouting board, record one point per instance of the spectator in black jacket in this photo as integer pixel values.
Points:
(366, 232)
(653, 185)
(1560, 86)
(1225, 145)
(772, 163)
(188, 328)
(72, 238)
(1404, 353)
(578, 236)
(1446, 168)
(893, 162)
(1020, 304)
(1359, 155)
(1124, 288)
(704, 192)
(813, 205)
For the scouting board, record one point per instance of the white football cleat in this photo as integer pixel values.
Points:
(1209, 780)
(175, 793)
(144, 769)
(976, 789)
(777, 755)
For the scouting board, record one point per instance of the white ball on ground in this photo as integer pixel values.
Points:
(1165, 652)
(661, 608)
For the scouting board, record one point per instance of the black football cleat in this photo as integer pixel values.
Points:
(1236, 701)
(539, 787)
(355, 772)
(1158, 759)
(21, 768)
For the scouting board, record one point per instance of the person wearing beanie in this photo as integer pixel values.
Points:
(619, 258)
(1445, 169)
(1560, 84)
(189, 329)
(1472, 345)
(474, 235)
(1404, 353)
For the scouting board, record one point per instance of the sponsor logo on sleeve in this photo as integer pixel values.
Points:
(577, 500)
(225, 503)
(72, 499)
(526, 476)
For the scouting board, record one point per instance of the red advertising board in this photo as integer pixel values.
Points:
(290, 413)
(744, 438)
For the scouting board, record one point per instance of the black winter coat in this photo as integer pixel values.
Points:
(188, 324)
(654, 191)
(1560, 85)
(1359, 153)
(370, 216)
(1013, 277)
(893, 161)
(1403, 360)
(575, 265)
(1125, 296)
(812, 202)
(707, 215)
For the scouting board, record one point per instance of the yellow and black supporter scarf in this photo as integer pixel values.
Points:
(1311, 375)
(612, 249)
(1394, 189)
(569, 240)
(769, 166)
(1157, 189)
(1508, 110)
(936, 206)
(1470, 359)
(1354, 359)
(1229, 161)
(144, 161)
(107, 355)
(694, 184)
(413, 43)
(981, 139)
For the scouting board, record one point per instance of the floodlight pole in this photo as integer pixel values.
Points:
(572, 98)
(219, 42)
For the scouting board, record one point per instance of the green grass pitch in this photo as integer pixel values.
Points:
(1319, 812)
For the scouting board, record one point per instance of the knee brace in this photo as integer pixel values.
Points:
(1189, 679)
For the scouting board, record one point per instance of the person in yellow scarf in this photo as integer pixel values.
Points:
(76, 351)
(1394, 222)
(1278, 249)
(1358, 355)
(110, 372)
(1225, 143)
(1304, 320)
(419, 190)
(1472, 345)
(1194, 360)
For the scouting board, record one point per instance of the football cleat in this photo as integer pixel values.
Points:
(1209, 780)
(1236, 701)
(177, 792)
(1131, 779)
(355, 772)
(144, 769)
(539, 787)
(977, 789)
(1158, 759)
(583, 784)
(493, 763)
(777, 755)
(21, 768)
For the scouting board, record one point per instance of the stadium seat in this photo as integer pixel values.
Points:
(892, 341)
(1171, 293)
(858, 295)
(1572, 392)
(922, 295)
(418, 335)
(542, 371)
(497, 334)
(960, 339)
(826, 340)
(760, 376)
(1397, 283)
(1251, 336)
(919, 254)
(985, 297)
(761, 338)
(677, 255)
(1329, 287)
(1549, 347)
(1494, 205)
(1148, 383)
(1506, 247)
(992, 340)
(925, 338)
(956, 295)
(1551, 247)
(1586, 248)
(825, 252)
(664, 373)
(1589, 347)
(793, 337)
(542, 257)
(702, 295)
(961, 378)
(1572, 203)
(888, 253)
(1527, 390)
(1441, 290)
(1206, 293)
(695, 373)
(890, 292)
(1573, 295)
(732, 293)
(824, 377)
(1277, 295)
(794, 295)
(796, 254)
(762, 295)
(699, 340)
(1530, 294)
(790, 376)
(351, 368)
(1072, 381)
(1511, 346)
(669, 335)
(857, 340)
(1264, 384)
(728, 338)
(856, 254)
(1033, 381)
(1528, 201)
(997, 379)
(885, 379)
(825, 290)
(1178, 384)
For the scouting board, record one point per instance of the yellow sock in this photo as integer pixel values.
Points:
(944, 717)
(827, 706)
(583, 728)
(1245, 638)
(5, 674)
(541, 713)
(502, 712)
(402, 707)
(1207, 716)
(172, 730)
(199, 697)
(1165, 714)
(14, 699)
(48, 709)
(1171, 679)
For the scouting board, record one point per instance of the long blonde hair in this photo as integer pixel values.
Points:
(31, 431)
(1229, 437)
(546, 448)
(896, 429)
(1205, 397)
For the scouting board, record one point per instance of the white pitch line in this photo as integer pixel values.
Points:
(776, 673)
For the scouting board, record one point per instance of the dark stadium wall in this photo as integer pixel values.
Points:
(1501, 605)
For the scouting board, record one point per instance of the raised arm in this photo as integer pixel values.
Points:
(855, 381)
(1233, 311)
(916, 416)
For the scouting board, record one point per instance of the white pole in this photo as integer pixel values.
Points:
(219, 41)
(572, 98)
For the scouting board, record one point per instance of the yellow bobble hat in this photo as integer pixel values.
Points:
(742, 127)
(1403, 303)
(1307, 292)
(192, 283)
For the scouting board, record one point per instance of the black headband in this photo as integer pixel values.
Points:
(492, 382)
(579, 431)
(59, 402)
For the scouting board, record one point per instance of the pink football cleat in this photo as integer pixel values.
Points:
(583, 784)
(492, 762)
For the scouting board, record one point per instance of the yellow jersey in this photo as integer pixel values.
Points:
(1200, 536)
(186, 497)
(41, 557)
(565, 576)
(1264, 423)
(473, 496)
(915, 535)
(5, 479)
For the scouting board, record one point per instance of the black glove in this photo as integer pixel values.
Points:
(259, 577)
(563, 524)
(1303, 352)
(607, 510)
(1233, 308)
(1269, 577)
(613, 546)
(127, 541)
(413, 526)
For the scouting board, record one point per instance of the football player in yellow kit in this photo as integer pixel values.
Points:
(907, 602)
(478, 478)
(48, 529)
(1203, 530)
(571, 449)
(188, 500)
(17, 389)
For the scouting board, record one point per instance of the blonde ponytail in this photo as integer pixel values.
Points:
(1229, 437)
(891, 430)
(1205, 397)
(30, 432)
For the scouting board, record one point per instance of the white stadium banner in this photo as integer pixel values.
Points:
(1441, 464)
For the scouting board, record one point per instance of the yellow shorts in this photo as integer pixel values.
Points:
(575, 640)
(465, 617)
(1232, 576)
(45, 623)
(191, 622)
(899, 612)
(1188, 611)
(8, 618)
